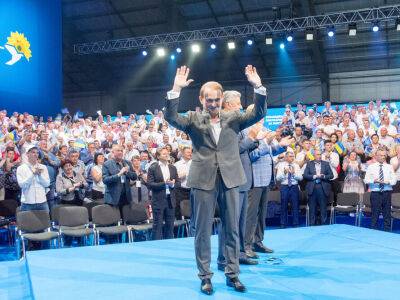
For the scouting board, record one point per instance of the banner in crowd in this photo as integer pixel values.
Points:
(30, 56)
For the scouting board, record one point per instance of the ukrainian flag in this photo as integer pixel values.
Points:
(340, 149)
(79, 143)
(310, 155)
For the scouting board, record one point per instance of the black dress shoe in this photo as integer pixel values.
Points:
(251, 254)
(221, 268)
(247, 261)
(262, 249)
(206, 287)
(236, 284)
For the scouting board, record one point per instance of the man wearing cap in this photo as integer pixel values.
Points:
(33, 178)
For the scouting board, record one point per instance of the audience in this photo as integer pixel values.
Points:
(107, 159)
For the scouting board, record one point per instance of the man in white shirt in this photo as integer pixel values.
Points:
(327, 127)
(183, 192)
(385, 139)
(395, 162)
(380, 177)
(33, 178)
(331, 157)
(289, 175)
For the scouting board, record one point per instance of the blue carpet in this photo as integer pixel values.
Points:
(326, 262)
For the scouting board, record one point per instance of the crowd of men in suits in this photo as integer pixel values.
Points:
(220, 155)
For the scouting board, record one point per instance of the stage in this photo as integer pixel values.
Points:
(327, 262)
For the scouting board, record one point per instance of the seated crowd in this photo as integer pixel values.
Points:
(131, 159)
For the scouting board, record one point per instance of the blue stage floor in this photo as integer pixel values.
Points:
(327, 262)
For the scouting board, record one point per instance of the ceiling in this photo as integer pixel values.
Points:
(97, 20)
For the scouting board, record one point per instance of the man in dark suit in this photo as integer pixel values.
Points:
(318, 174)
(116, 175)
(162, 180)
(216, 171)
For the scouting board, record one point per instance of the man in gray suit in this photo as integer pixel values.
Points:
(216, 171)
(247, 142)
(116, 175)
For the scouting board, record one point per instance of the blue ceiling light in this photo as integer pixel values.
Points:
(289, 36)
(331, 31)
(144, 53)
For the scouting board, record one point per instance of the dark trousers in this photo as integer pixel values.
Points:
(381, 202)
(204, 208)
(256, 214)
(164, 215)
(180, 195)
(317, 198)
(292, 194)
(242, 230)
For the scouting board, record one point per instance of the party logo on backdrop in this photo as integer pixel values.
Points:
(18, 46)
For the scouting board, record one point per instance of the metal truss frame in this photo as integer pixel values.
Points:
(366, 15)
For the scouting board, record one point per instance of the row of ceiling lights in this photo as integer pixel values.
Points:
(196, 48)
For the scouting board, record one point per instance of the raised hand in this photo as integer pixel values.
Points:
(252, 76)
(181, 79)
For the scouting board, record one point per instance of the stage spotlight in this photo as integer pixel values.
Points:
(172, 57)
(268, 40)
(309, 34)
(331, 31)
(289, 37)
(213, 46)
(352, 29)
(398, 24)
(195, 48)
(231, 45)
(178, 50)
(375, 27)
(144, 53)
(282, 46)
(249, 42)
(160, 52)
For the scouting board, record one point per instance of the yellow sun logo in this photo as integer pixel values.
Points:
(21, 44)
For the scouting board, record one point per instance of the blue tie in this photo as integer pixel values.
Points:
(381, 185)
(290, 176)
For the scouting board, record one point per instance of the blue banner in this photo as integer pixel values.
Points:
(30, 56)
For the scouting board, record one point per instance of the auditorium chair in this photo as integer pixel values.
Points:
(329, 206)
(346, 203)
(395, 208)
(365, 206)
(74, 222)
(35, 226)
(135, 218)
(107, 221)
(8, 210)
(186, 212)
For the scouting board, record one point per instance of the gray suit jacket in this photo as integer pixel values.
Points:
(208, 156)
(245, 146)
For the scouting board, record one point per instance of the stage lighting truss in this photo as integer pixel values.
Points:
(336, 19)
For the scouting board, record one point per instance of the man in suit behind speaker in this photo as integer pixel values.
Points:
(216, 171)
(318, 175)
(162, 179)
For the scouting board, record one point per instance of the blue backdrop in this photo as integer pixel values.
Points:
(34, 86)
